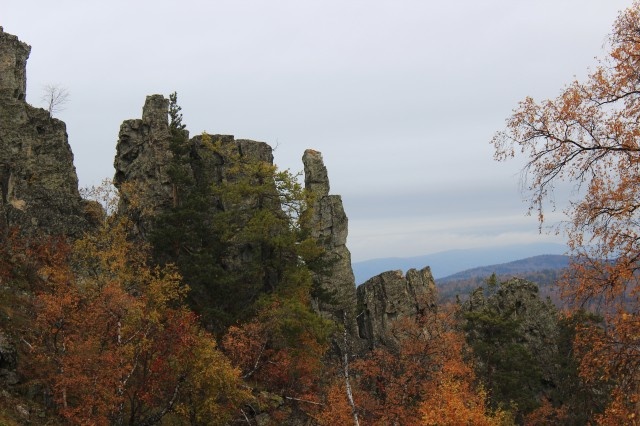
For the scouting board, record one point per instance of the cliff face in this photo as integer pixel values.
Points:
(38, 181)
(330, 228)
(390, 297)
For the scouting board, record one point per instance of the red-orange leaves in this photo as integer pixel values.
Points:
(590, 137)
(425, 380)
(116, 344)
(281, 351)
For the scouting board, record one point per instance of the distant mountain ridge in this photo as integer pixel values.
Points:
(529, 264)
(446, 263)
(543, 270)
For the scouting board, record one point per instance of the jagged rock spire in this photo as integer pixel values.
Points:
(315, 173)
(142, 163)
(329, 226)
(38, 181)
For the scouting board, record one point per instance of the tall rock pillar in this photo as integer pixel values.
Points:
(142, 164)
(330, 228)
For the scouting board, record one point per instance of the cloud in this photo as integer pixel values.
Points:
(401, 98)
(424, 222)
(370, 239)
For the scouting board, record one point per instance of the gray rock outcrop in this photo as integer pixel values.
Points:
(38, 181)
(390, 297)
(329, 226)
(13, 67)
(142, 164)
(144, 160)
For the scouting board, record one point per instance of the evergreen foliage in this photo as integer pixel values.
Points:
(235, 229)
(525, 354)
(507, 366)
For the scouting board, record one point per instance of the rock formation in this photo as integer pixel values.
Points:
(369, 312)
(389, 297)
(13, 67)
(521, 298)
(144, 159)
(535, 320)
(38, 181)
(39, 193)
(329, 225)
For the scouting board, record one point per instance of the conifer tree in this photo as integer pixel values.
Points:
(235, 226)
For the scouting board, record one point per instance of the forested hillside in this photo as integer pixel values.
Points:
(545, 270)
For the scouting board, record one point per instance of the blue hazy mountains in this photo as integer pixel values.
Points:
(446, 263)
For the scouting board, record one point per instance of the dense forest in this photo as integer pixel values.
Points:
(199, 287)
(114, 337)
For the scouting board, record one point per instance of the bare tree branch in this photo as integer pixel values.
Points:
(55, 98)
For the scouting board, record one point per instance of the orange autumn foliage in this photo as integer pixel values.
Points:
(115, 343)
(261, 353)
(426, 379)
(618, 412)
(589, 136)
(454, 397)
(336, 409)
(282, 351)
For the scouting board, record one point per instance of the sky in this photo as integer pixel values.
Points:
(402, 97)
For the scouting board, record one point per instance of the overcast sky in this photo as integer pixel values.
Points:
(401, 97)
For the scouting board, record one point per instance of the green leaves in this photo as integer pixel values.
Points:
(235, 229)
(498, 330)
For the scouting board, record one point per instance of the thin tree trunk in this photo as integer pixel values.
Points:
(345, 366)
